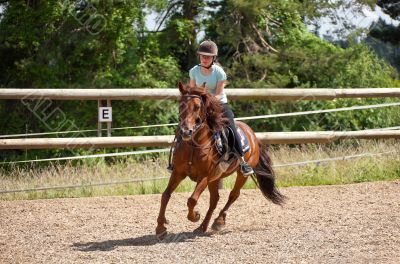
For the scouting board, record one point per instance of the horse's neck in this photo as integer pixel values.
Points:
(204, 136)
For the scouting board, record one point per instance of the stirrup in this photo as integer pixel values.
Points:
(246, 169)
(170, 168)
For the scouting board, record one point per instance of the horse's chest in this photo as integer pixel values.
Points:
(196, 164)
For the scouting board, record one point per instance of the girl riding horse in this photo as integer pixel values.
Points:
(214, 78)
(201, 115)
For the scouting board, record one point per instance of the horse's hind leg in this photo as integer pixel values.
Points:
(219, 222)
(193, 215)
(214, 198)
(174, 180)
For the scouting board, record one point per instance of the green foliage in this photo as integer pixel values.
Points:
(304, 60)
(390, 7)
(384, 39)
(105, 44)
(338, 121)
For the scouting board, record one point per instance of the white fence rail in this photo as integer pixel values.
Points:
(173, 93)
(160, 141)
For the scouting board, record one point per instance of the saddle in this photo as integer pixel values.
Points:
(225, 141)
(225, 146)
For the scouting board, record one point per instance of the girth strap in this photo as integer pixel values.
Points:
(190, 162)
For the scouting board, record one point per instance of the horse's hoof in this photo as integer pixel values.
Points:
(217, 226)
(161, 233)
(196, 217)
(199, 230)
(219, 223)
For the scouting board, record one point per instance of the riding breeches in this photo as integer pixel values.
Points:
(238, 143)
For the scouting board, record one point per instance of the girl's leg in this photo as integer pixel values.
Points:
(244, 166)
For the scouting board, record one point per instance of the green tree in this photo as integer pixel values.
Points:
(100, 43)
(182, 23)
(390, 7)
(266, 44)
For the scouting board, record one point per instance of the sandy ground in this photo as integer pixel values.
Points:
(358, 223)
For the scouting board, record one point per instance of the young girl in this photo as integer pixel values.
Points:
(214, 78)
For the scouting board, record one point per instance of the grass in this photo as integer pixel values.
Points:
(383, 167)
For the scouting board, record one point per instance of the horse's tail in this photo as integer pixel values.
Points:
(266, 178)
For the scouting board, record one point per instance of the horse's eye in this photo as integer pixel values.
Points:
(196, 108)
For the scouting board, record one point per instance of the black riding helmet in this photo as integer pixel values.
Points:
(208, 48)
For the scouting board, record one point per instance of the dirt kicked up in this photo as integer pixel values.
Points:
(357, 223)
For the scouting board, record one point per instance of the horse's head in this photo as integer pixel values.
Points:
(192, 110)
(198, 107)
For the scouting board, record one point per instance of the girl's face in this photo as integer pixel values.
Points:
(206, 60)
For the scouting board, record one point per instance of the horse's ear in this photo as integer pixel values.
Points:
(182, 88)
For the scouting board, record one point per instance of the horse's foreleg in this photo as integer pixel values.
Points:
(174, 180)
(194, 216)
(214, 198)
(219, 222)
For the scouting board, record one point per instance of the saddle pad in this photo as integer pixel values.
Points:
(244, 140)
(220, 140)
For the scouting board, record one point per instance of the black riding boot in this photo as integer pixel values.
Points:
(245, 168)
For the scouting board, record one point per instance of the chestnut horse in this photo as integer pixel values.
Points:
(195, 155)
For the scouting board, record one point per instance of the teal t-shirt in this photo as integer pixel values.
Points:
(217, 74)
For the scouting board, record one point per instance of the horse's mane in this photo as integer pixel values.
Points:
(214, 109)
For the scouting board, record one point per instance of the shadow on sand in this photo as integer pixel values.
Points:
(148, 240)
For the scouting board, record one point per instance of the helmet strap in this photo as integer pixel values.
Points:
(207, 67)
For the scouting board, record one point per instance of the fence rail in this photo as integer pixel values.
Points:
(162, 141)
(173, 94)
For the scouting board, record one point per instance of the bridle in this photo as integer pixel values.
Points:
(192, 132)
(198, 124)
(195, 129)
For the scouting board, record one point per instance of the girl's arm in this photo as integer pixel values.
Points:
(192, 83)
(220, 89)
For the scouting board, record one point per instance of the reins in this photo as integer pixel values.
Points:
(197, 127)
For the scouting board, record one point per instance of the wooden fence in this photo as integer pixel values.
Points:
(234, 94)
(153, 141)
(173, 94)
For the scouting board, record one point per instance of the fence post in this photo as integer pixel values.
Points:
(99, 124)
(109, 123)
(103, 103)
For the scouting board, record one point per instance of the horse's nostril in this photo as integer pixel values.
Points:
(187, 132)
